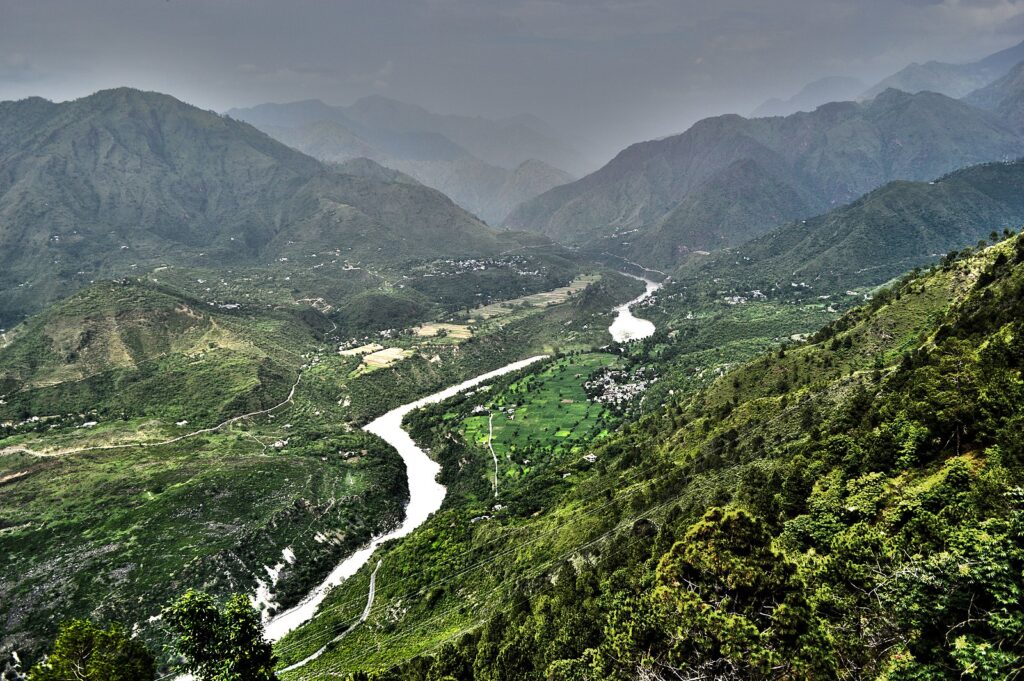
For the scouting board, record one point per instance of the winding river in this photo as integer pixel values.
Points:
(425, 493)
(626, 327)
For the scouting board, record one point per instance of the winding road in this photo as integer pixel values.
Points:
(490, 446)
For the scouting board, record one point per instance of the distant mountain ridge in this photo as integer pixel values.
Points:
(506, 143)
(728, 179)
(953, 80)
(1004, 97)
(487, 167)
(812, 95)
(123, 180)
(888, 231)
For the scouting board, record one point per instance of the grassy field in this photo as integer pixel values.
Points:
(457, 332)
(542, 416)
(383, 358)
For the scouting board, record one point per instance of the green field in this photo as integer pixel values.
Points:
(542, 416)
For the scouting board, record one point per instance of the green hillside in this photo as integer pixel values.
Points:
(879, 236)
(847, 508)
(152, 442)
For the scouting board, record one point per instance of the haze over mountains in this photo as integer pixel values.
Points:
(487, 167)
(729, 179)
(123, 181)
(813, 95)
(954, 80)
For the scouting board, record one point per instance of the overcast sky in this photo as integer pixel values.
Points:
(612, 71)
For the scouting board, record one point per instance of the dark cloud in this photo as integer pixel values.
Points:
(612, 70)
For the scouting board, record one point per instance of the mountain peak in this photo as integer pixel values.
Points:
(1003, 97)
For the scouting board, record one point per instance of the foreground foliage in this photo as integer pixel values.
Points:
(85, 652)
(220, 644)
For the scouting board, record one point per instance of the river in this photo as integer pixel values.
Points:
(627, 327)
(426, 494)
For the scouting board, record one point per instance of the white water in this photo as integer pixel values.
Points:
(425, 497)
(626, 327)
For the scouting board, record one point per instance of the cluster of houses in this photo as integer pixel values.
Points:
(616, 388)
(452, 267)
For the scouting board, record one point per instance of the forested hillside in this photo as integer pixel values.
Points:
(850, 507)
(879, 236)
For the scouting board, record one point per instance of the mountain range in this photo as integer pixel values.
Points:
(954, 80)
(1004, 97)
(486, 166)
(728, 179)
(123, 181)
(881, 235)
(812, 95)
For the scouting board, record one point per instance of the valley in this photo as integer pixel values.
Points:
(349, 489)
(339, 364)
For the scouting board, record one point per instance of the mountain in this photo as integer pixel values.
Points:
(132, 398)
(1004, 97)
(166, 352)
(888, 231)
(505, 143)
(953, 80)
(529, 179)
(812, 95)
(728, 179)
(487, 171)
(486, 190)
(123, 181)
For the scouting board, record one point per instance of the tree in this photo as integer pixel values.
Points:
(724, 604)
(220, 645)
(85, 652)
